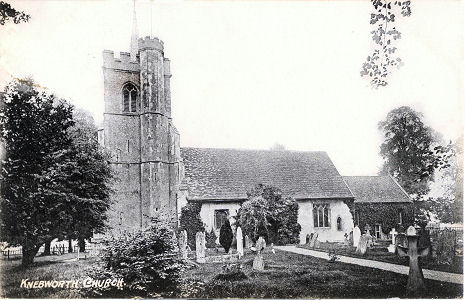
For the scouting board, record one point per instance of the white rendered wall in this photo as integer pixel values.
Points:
(337, 209)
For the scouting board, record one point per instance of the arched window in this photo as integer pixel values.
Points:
(130, 98)
(321, 213)
(339, 223)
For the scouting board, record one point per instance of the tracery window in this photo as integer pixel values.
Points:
(130, 98)
(321, 213)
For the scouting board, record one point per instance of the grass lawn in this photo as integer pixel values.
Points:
(381, 254)
(286, 275)
(44, 268)
(289, 275)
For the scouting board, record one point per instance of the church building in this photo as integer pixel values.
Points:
(155, 177)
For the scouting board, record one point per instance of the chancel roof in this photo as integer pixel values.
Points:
(226, 174)
(376, 189)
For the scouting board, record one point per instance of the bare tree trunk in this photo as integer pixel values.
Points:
(82, 244)
(70, 245)
(47, 247)
(29, 252)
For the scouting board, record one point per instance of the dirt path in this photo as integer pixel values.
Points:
(429, 274)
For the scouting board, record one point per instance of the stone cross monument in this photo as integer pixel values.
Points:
(416, 283)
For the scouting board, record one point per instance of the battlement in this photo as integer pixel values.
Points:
(122, 63)
(150, 43)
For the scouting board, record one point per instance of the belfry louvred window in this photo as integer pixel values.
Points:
(130, 98)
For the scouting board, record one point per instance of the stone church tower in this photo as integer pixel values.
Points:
(139, 133)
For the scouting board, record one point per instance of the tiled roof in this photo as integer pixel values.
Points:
(377, 189)
(220, 174)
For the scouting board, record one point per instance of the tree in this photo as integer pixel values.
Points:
(267, 213)
(7, 12)
(408, 150)
(226, 236)
(89, 180)
(34, 129)
(444, 202)
(191, 222)
(381, 63)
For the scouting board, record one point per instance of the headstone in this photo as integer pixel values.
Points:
(393, 234)
(183, 244)
(248, 242)
(200, 247)
(258, 263)
(367, 229)
(346, 240)
(240, 242)
(356, 236)
(363, 244)
(314, 241)
(415, 285)
(260, 245)
(307, 238)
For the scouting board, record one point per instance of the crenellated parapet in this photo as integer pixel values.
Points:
(149, 43)
(123, 63)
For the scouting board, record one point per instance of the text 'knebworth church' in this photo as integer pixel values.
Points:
(155, 177)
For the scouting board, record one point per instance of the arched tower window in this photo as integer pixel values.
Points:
(130, 98)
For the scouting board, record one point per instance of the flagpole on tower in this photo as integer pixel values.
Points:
(151, 27)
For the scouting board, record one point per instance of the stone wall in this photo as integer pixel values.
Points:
(144, 144)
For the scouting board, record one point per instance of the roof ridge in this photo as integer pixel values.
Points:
(264, 150)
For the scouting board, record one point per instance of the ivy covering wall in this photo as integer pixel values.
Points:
(384, 214)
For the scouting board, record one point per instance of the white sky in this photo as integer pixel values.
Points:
(248, 74)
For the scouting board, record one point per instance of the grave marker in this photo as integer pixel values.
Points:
(392, 247)
(356, 236)
(183, 244)
(240, 242)
(416, 283)
(248, 242)
(200, 247)
(258, 263)
(365, 241)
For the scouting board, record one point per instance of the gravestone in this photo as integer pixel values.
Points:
(200, 247)
(314, 241)
(416, 284)
(258, 263)
(240, 242)
(346, 240)
(183, 244)
(365, 241)
(248, 242)
(392, 247)
(307, 238)
(356, 236)
(367, 229)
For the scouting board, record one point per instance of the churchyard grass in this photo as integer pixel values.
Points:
(381, 254)
(44, 268)
(286, 275)
(289, 275)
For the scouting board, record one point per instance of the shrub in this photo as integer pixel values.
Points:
(211, 239)
(231, 272)
(191, 222)
(147, 261)
(269, 215)
(226, 236)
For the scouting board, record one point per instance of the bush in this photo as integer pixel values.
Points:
(191, 222)
(226, 236)
(269, 215)
(211, 239)
(147, 261)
